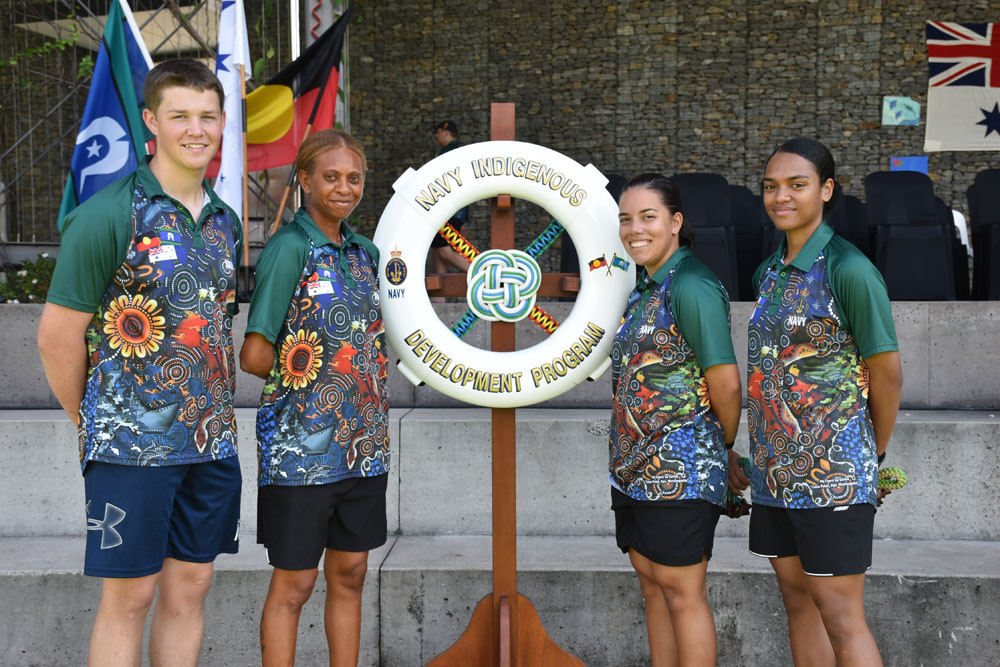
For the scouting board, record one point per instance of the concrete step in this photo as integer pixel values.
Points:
(42, 485)
(946, 347)
(49, 606)
(928, 602)
(440, 474)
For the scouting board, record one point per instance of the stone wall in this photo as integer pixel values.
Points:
(650, 85)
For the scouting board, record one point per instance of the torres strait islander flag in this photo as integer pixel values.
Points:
(112, 137)
(278, 111)
(963, 89)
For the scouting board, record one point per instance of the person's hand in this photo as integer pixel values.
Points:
(882, 493)
(737, 478)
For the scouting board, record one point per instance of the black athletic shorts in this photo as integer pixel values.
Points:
(829, 541)
(296, 523)
(676, 534)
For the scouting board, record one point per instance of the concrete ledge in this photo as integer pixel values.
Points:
(440, 474)
(950, 457)
(49, 606)
(589, 601)
(946, 347)
(50, 501)
(928, 602)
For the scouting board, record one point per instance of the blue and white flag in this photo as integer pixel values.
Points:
(963, 86)
(234, 50)
(112, 135)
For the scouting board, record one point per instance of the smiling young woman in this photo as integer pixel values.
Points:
(823, 390)
(675, 414)
(315, 332)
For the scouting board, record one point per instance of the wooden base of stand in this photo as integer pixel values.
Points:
(533, 646)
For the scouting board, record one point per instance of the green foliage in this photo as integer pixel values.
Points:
(85, 67)
(262, 38)
(46, 47)
(31, 283)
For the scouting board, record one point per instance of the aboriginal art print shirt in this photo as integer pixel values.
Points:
(161, 371)
(666, 444)
(323, 411)
(816, 319)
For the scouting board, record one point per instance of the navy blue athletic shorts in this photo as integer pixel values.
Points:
(139, 515)
(829, 541)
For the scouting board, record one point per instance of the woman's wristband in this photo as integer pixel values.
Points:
(881, 457)
(729, 445)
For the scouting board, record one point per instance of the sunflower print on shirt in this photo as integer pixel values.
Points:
(323, 412)
(161, 371)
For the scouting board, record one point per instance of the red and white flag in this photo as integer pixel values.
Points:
(963, 87)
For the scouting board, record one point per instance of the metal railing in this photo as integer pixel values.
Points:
(46, 57)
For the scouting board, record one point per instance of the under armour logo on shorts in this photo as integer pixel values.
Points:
(113, 516)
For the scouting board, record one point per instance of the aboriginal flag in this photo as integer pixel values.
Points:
(303, 92)
(595, 264)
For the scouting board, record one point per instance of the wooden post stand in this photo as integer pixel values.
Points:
(505, 630)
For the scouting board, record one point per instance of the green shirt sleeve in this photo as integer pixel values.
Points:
(95, 238)
(861, 297)
(279, 269)
(700, 307)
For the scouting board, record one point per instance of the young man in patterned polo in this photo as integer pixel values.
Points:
(137, 346)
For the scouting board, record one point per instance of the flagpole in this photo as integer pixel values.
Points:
(291, 176)
(246, 178)
(295, 35)
(138, 33)
(309, 125)
(295, 44)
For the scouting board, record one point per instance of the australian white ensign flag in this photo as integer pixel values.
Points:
(963, 88)
(234, 50)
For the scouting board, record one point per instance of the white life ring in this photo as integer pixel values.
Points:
(574, 195)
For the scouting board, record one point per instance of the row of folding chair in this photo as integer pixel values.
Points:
(904, 228)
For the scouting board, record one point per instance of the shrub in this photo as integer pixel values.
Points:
(31, 283)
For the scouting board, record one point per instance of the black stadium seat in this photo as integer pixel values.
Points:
(848, 219)
(913, 237)
(706, 205)
(749, 222)
(984, 230)
(900, 198)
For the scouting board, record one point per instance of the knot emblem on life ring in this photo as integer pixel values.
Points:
(503, 284)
